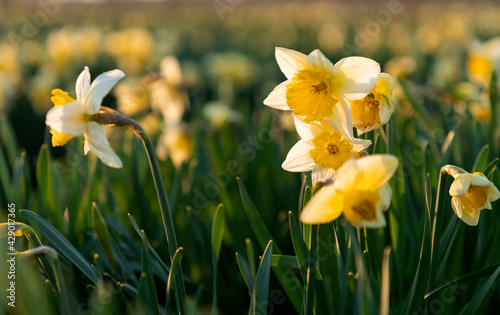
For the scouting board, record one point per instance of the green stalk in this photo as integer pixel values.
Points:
(311, 270)
(109, 116)
(436, 229)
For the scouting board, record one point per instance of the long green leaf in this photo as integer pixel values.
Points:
(63, 247)
(217, 232)
(245, 271)
(147, 299)
(481, 160)
(260, 293)
(173, 273)
(479, 295)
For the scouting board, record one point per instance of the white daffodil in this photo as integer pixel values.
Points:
(70, 118)
(322, 149)
(360, 192)
(470, 194)
(482, 60)
(375, 109)
(316, 89)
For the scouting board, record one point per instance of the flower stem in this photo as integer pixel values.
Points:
(436, 228)
(166, 216)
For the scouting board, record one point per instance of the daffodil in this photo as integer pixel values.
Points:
(360, 192)
(470, 193)
(375, 109)
(322, 149)
(482, 60)
(70, 118)
(316, 89)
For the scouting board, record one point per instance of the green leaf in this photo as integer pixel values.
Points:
(418, 106)
(288, 281)
(147, 302)
(8, 138)
(491, 168)
(311, 270)
(480, 294)
(245, 271)
(217, 232)
(284, 261)
(481, 160)
(173, 271)
(102, 233)
(493, 91)
(299, 247)
(260, 293)
(63, 247)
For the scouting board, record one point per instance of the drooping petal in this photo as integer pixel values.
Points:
(479, 179)
(470, 217)
(68, 119)
(341, 120)
(377, 170)
(460, 185)
(96, 141)
(355, 77)
(325, 206)
(83, 85)
(290, 61)
(277, 98)
(457, 206)
(318, 60)
(306, 131)
(299, 159)
(99, 88)
(493, 193)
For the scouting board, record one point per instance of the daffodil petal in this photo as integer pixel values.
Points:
(290, 61)
(341, 120)
(96, 141)
(457, 206)
(494, 193)
(322, 174)
(377, 170)
(479, 180)
(99, 88)
(318, 60)
(385, 193)
(277, 98)
(306, 131)
(471, 218)
(386, 110)
(325, 206)
(299, 159)
(68, 118)
(385, 84)
(460, 185)
(377, 222)
(355, 77)
(83, 85)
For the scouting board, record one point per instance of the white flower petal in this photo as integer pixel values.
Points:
(277, 98)
(321, 174)
(460, 185)
(83, 85)
(479, 180)
(494, 193)
(290, 61)
(318, 60)
(305, 130)
(68, 118)
(96, 141)
(100, 88)
(299, 159)
(386, 110)
(341, 120)
(355, 77)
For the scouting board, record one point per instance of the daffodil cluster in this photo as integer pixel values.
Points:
(327, 100)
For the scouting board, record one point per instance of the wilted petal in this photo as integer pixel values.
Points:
(100, 88)
(96, 141)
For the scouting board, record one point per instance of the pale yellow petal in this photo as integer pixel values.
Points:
(460, 185)
(377, 170)
(277, 98)
(290, 61)
(355, 77)
(325, 206)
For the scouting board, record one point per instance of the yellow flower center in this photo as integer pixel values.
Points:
(60, 97)
(479, 67)
(330, 149)
(367, 110)
(475, 197)
(360, 206)
(309, 95)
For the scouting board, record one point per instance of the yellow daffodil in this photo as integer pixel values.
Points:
(176, 143)
(316, 89)
(322, 149)
(470, 193)
(70, 118)
(482, 60)
(375, 109)
(360, 192)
